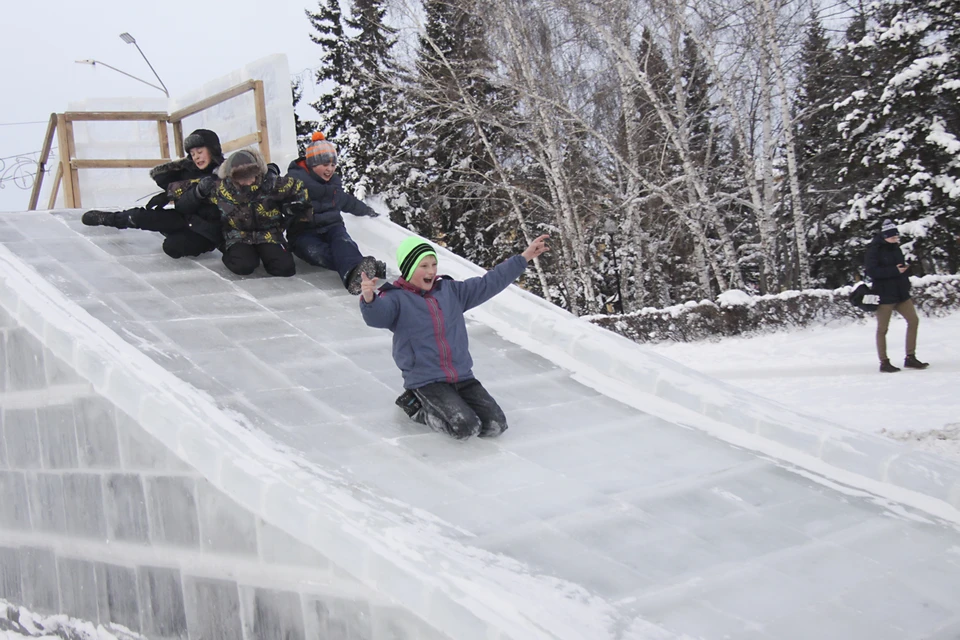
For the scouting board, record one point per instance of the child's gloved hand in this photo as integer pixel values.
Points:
(206, 186)
(158, 201)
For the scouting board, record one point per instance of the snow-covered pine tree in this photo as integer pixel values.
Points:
(328, 24)
(818, 156)
(303, 127)
(710, 153)
(454, 99)
(666, 264)
(902, 128)
(360, 108)
(371, 139)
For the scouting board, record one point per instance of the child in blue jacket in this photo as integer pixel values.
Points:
(430, 345)
(319, 237)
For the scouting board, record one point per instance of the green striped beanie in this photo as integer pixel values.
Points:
(409, 254)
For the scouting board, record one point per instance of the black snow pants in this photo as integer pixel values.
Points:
(460, 409)
(180, 240)
(242, 259)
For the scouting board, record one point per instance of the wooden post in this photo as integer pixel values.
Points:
(241, 142)
(123, 163)
(68, 167)
(42, 162)
(178, 137)
(64, 147)
(114, 116)
(164, 139)
(211, 101)
(74, 176)
(56, 187)
(260, 105)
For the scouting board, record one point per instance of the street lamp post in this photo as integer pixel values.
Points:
(129, 39)
(94, 63)
(610, 226)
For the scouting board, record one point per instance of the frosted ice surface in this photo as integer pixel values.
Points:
(668, 524)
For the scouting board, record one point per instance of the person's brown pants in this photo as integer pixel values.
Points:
(909, 313)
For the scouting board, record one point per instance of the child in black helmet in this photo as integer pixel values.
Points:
(188, 232)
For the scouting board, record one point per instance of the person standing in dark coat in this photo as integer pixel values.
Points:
(887, 268)
(188, 231)
(255, 205)
(320, 237)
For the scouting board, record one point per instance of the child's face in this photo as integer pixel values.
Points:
(425, 274)
(248, 181)
(201, 157)
(325, 171)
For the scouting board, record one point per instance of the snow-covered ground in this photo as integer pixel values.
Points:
(19, 622)
(831, 371)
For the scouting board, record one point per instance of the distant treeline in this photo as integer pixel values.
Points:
(673, 151)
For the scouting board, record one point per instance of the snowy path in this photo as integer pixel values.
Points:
(831, 371)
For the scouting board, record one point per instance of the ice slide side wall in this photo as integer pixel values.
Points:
(629, 373)
(102, 521)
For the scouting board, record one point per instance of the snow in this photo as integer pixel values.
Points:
(914, 71)
(831, 372)
(939, 135)
(734, 297)
(19, 622)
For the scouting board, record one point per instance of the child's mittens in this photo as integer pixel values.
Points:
(206, 186)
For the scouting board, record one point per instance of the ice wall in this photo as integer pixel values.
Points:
(235, 118)
(102, 521)
(122, 140)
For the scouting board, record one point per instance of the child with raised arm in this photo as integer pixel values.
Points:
(430, 345)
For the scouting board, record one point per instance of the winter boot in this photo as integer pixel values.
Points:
(886, 367)
(369, 266)
(410, 403)
(118, 219)
(911, 362)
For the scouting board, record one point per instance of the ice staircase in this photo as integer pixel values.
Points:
(194, 454)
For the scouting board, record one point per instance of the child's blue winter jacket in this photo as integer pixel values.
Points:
(430, 341)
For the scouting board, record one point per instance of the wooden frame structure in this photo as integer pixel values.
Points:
(67, 172)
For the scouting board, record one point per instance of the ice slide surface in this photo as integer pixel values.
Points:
(590, 519)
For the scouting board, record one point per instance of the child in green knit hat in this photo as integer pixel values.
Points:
(425, 313)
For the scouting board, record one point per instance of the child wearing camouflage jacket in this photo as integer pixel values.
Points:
(256, 205)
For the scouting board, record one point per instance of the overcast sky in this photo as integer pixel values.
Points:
(188, 43)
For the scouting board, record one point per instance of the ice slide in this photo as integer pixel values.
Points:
(193, 454)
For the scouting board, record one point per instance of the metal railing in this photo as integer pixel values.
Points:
(67, 173)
